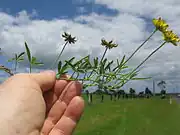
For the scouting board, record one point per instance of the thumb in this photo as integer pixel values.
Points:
(46, 80)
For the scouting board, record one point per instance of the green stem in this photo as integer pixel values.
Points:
(138, 48)
(104, 54)
(100, 65)
(30, 66)
(77, 76)
(15, 66)
(100, 61)
(73, 74)
(84, 78)
(144, 61)
(141, 45)
(149, 56)
(53, 66)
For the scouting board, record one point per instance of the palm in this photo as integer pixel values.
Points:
(54, 113)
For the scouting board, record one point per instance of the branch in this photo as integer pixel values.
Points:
(7, 70)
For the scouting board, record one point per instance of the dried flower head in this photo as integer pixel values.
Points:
(109, 44)
(68, 38)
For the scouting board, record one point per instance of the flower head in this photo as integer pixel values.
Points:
(109, 44)
(160, 24)
(171, 37)
(68, 38)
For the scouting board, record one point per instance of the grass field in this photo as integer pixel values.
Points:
(130, 117)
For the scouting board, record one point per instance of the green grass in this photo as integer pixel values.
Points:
(130, 117)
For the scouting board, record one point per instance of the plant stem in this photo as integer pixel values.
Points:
(84, 78)
(30, 68)
(144, 61)
(136, 51)
(104, 54)
(100, 61)
(53, 66)
(15, 66)
(7, 70)
(141, 46)
(102, 82)
(149, 56)
(77, 76)
(73, 74)
(138, 48)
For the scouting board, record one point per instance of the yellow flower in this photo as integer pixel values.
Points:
(171, 37)
(109, 44)
(160, 24)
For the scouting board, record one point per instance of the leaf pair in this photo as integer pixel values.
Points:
(18, 58)
(32, 60)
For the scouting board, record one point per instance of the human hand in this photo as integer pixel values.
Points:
(38, 104)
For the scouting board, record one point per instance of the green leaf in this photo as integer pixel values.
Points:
(65, 72)
(122, 61)
(109, 65)
(59, 66)
(104, 61)
(28, 52)
(20, 55)
(39, 63)
(81, 71)
(71, 65)
(95, 62)
(16, 57)
(142, 78)
(12, 59)
(66, 65)
(71, 59)
(34, 59)
(20, 59)
(131, 75)
(64, 68)
(80, 61)
(120, 64)
(102, 71)
(58, 76)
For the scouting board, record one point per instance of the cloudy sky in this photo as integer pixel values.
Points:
(41, 23)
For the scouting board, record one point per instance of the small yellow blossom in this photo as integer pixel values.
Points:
(160, 24)
(109, 44)
(171, 37)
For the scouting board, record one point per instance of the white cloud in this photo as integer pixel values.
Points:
(128, 28)
(81, 10)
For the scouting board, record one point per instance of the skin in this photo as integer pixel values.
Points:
(38, 104)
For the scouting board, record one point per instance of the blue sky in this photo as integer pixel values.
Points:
(55, 8)
(128, 23)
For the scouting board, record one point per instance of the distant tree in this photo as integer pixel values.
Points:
(132, 92)
(162, 86)
(141, 94)
(148, 93)
(126, 95)
(90, 98)
(112, 92)
(121, 93)
(163, 94)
